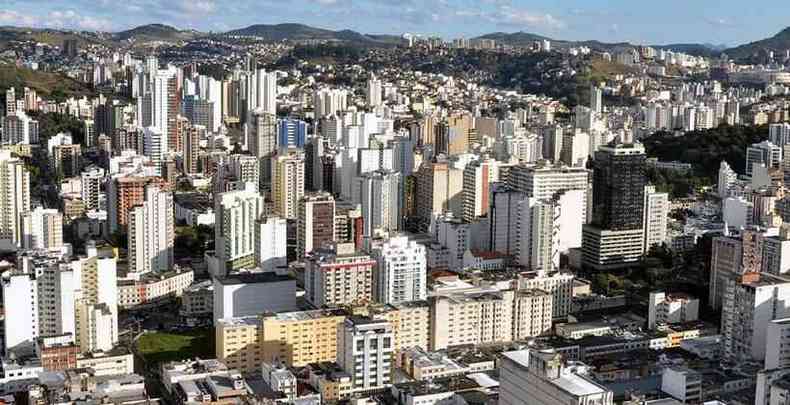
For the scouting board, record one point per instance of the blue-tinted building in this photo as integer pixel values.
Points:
(291, 133)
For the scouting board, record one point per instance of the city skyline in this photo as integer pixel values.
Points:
(612, 21)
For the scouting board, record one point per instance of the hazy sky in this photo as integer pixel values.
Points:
(638, 21)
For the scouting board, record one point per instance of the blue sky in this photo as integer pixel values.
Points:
(638, 21)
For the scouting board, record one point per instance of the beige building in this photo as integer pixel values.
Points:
(477, 317)
(339, 276)
(410, 322)
(153, 287)
(287, 183)
(296, 338)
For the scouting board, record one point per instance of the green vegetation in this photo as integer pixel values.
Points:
(705, 150)
(192, 241)
(161, 347)
(50, 124)
(678, 185)
(50, 84)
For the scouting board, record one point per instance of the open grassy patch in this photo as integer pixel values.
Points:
(160, 347)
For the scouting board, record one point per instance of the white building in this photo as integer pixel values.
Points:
(656, 211)
(21, 324)
(42, 229)
(727, 178)
(236, 215)
(558, 284)
(401, 272)
(374, 92)
(364, 350)
(540, 378)
(737, 212)
(152, 232)
(683, 384)
(92, 179)
(270, 243)
(15, 189)
(250, 294)
(765, 153)
(381, 197)
(750, 304)
(671, 308)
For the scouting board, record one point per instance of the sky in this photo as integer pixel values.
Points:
(729, 22)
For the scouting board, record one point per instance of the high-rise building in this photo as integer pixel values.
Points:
(316, 222)
(263, 87)
(287, 183)
(15, 201)
(21, 324)
(542, 378)
(544, 181)
(656, 211)
(338, 275)
(271, 243)
(10, 101)
(364, 350)
(727, 178)
(237, 213)
(374, 92)
(42, 229)
(401, 273)
(291, 133)
(262, 142)
(92, 180)
(751, 303)
(764, 153)
(19, 128)
(478, 177)
(124, 193)
(666, 308)
(152, 232)
(615, 236)
(381, 203)
(438, 188)
(191, 139)
(164, 107)
(558, 284)
(67, 160)
(329, 101)
(596, 99)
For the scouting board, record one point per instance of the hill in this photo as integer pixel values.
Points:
(515, 39)
(47, 35)
(45, 83)
(301, 32)
(777, 43)
(155, 32)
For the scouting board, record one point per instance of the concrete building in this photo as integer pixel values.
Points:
(764, 153)
(338, 275)
(751, 303)
(15, 189)
(477, 179)
(237, 213)
(544, 181)
(295, 338)
(271, 243)
(365, 351)
(401, 271)
(288, 183)
(671, 308)
(42, 229)
(541, 378)
(485, 316)
(250, 294)
(152, 288)
(656, 211)
(152, 232)
(315, 222)
(683, 384)
(381, 199)
(558, 284)
(615, 236)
